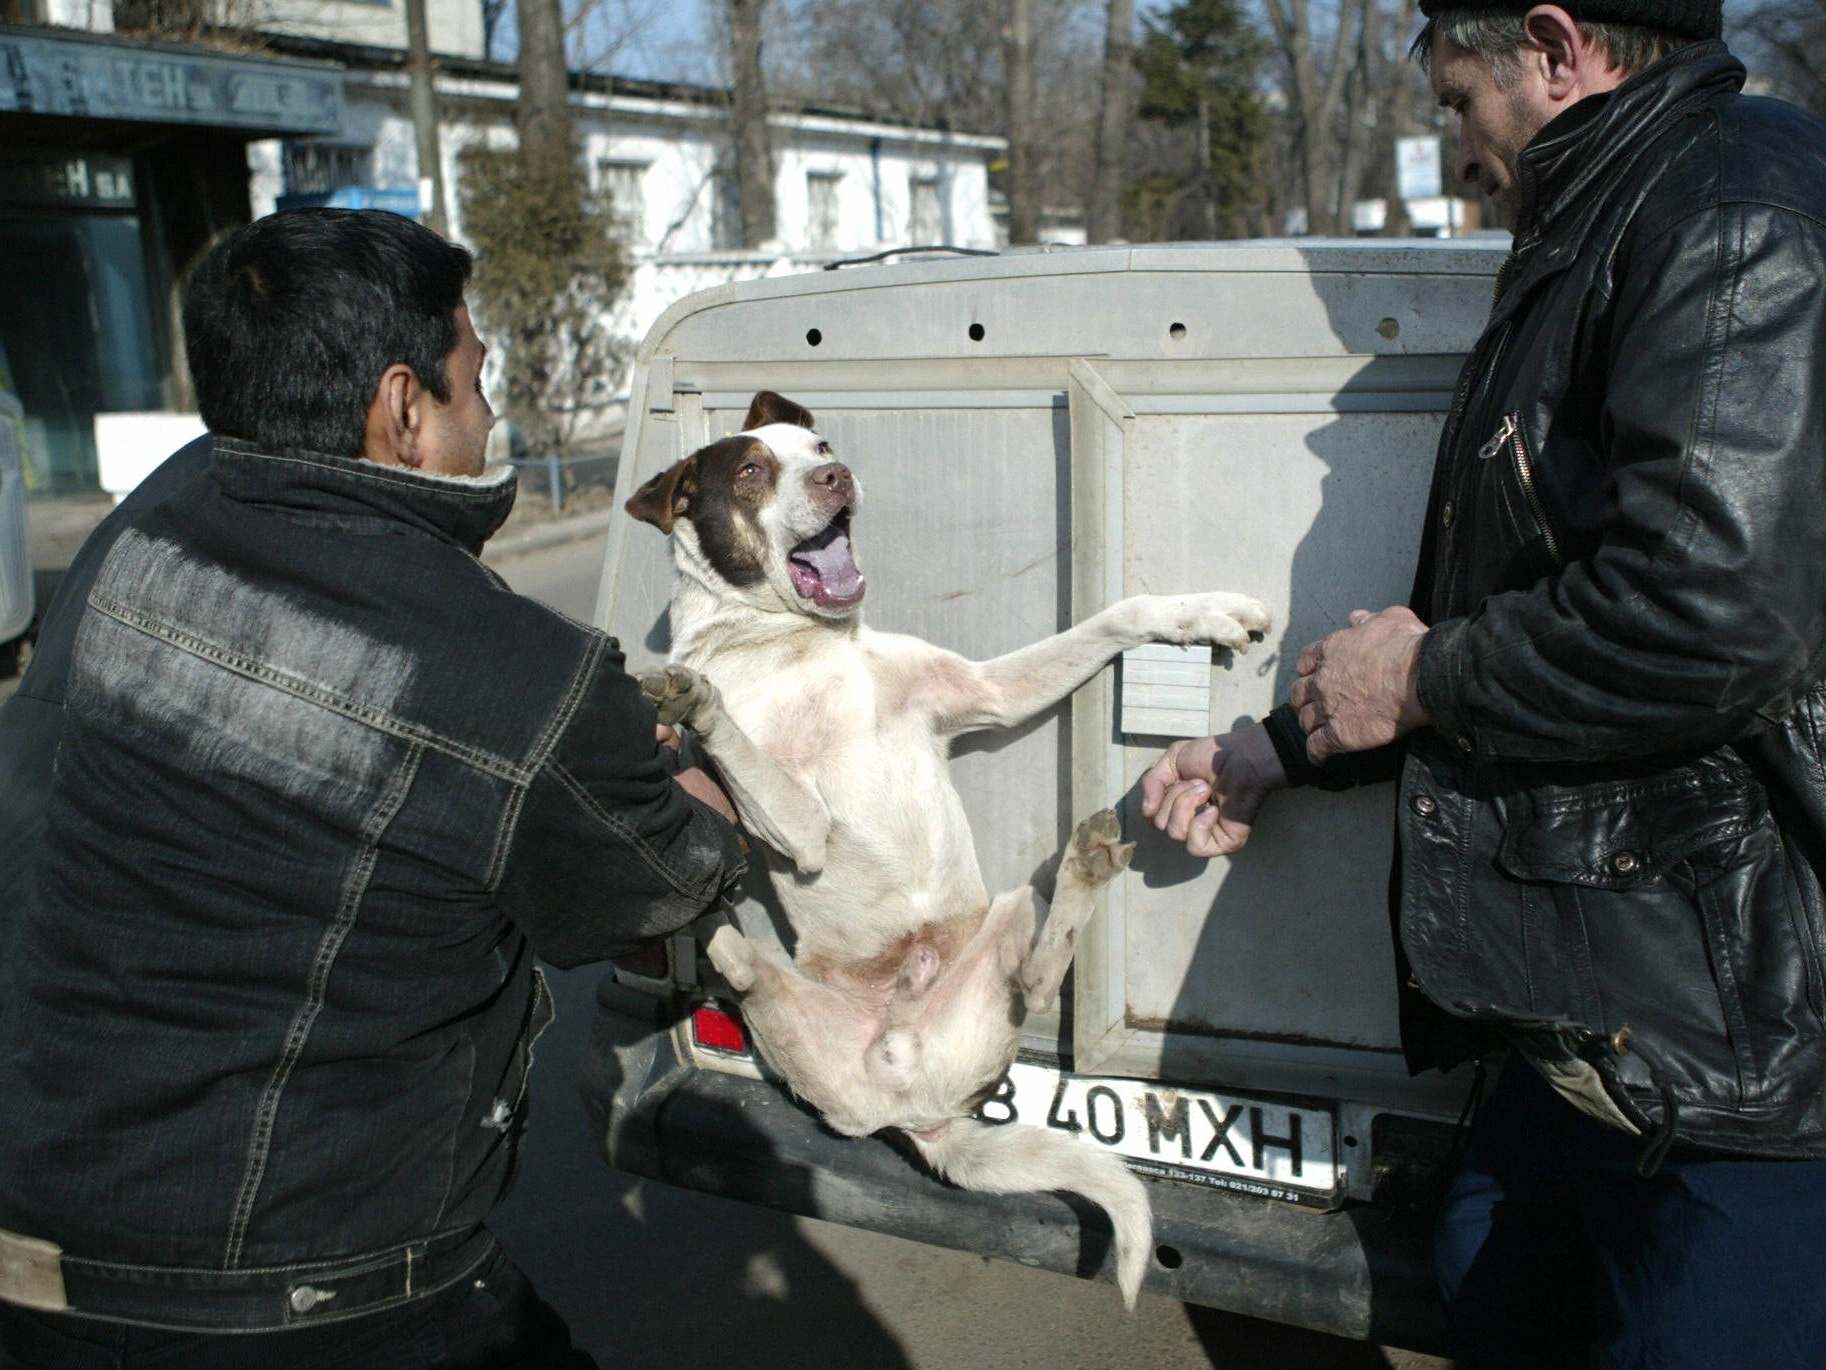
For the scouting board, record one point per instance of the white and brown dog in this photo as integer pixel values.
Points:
(901, 1005)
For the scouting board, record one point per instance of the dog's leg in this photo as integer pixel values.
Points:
(1097, 856)
(1010, 689)
(816, 1037)
(779, 808)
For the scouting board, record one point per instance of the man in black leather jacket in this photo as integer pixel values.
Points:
(323, 787)
(1604, 705)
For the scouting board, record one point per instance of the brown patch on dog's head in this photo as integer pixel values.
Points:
(767, 407)
(721, 489)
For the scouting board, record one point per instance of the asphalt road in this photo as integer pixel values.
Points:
(656, 1278)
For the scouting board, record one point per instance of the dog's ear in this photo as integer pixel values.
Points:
(767, 407)
(666, 496)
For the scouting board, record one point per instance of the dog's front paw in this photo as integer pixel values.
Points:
(733, 955)
(1224, 619)
(679, 693)
(1098, 853)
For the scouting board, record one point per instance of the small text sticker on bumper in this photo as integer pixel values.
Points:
(1272, 1149)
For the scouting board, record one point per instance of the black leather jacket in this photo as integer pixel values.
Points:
(1613, 837)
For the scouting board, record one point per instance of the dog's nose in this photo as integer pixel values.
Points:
(836, 476)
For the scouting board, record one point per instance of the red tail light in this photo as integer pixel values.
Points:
(718, 1029)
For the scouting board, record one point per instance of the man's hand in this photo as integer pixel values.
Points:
(698, 784)
(1206, 793)
(1358, 689)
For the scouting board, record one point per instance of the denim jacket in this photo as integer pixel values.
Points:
(324, 788)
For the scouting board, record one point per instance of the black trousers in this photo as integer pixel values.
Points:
(1553, 1254)
(491, 1320)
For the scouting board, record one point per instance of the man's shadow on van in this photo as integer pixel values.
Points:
(1272, 926)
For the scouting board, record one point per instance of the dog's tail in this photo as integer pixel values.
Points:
(1014, 1160)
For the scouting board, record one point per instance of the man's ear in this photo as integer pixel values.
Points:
(667, 495)
(767, 407)
(391, 435)
(1564, 54)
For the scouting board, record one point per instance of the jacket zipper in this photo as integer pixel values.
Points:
(1510, 434)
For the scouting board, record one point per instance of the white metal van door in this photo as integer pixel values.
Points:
(1041, 434)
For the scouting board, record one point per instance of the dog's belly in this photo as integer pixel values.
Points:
(872, 979)
(899, 855)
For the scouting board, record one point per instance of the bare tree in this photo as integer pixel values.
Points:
(424, 115)
(1344, 84)
(1017, 63)
(941, 64)
(748, 108)
(544, 110)
(1104, 217)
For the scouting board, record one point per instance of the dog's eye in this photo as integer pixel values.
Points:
(824, 449)
(749, 470)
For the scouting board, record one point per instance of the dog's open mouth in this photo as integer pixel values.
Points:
(823, 567)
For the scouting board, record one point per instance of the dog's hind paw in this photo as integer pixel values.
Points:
(733, 956)
(678, 692)
(1098, 853)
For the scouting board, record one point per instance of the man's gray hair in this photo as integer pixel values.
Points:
(1498, 39)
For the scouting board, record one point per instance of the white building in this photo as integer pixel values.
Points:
(845, 185)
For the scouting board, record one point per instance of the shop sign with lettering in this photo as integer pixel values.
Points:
(80, 180)
(100, 79)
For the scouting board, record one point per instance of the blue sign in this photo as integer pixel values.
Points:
(399, 201)
(95, 78)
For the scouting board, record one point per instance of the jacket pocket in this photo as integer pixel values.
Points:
(1518, 494)
(1674, 928)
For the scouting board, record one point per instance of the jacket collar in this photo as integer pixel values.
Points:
(1582, 146)
(463, 510)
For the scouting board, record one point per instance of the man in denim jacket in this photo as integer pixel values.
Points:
(324, 787)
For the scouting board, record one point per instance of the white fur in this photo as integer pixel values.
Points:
(902, 1002)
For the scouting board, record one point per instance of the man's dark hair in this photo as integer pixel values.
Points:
(290, 321)
(1497, 37)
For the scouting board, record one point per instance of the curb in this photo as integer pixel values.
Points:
(551, 534)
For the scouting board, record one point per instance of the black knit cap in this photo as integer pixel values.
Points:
(1696, 19)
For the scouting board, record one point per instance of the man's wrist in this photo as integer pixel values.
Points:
(1413, 712)
(1255, 748)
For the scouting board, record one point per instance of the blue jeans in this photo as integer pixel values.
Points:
(491, 1320)
(1551, 1252)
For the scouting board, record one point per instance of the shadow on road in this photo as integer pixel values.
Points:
(654, 1278)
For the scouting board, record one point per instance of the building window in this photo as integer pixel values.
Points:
(924, 224)
(821, 208)
(725, 210)
(313, 168)
(626, 183)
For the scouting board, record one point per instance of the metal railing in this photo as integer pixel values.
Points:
(562, 474)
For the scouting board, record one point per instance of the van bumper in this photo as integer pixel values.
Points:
(1359, 1272)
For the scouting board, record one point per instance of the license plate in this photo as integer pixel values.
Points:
(1228, 1141)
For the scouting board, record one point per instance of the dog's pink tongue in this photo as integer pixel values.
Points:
(835, 564)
